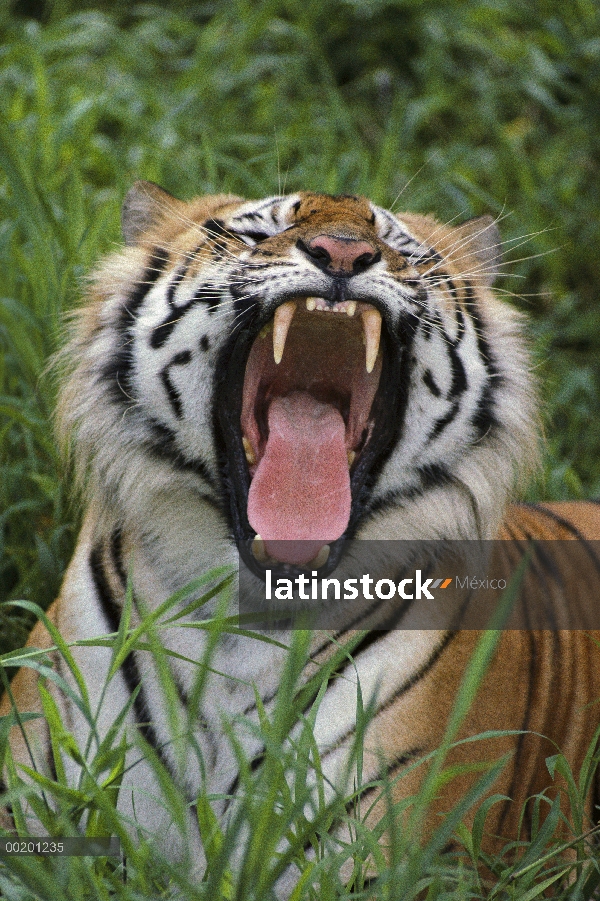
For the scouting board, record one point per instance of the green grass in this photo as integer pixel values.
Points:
(275, 819)
(457, 108)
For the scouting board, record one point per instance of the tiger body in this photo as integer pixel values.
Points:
(167, 370)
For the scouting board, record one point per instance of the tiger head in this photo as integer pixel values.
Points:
(305, 369)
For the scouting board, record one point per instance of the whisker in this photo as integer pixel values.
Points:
(410, 181)
(461, 240)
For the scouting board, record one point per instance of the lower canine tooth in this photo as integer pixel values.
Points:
(250, 455)
(259, 551)
(281, 323)
(351, 458)
(321, 558)
(372, 334)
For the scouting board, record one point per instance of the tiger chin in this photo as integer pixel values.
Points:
(233, 366)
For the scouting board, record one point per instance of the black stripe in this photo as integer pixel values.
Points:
(154, 269)
(451, 286)
(429, 324)
(164, 447)
(422, 671)
(557, 518)
(459, 382)
(182, 358)
(234, 785)
(206, 294)
(173, 396)
(116, 554)
(406, 686)
(199, 718)
(482, 342)
(171, 392)
(50, 756)
(7, 808)
(396, 763)
(432, 475)
(444, 421)
(568, 525)
(484, 417)
(256, 236)
(429, 255)
(118, 369)
(175, 282)
(429, 382)
(215, 229)
(392, 767)
(111, 609)
(516, 776)
(239, 219)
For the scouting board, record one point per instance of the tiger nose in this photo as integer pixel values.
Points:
(341, 255)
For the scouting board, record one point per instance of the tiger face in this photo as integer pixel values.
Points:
(314, 367)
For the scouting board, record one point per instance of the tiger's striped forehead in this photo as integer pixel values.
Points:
(230, 220)
(347, 214)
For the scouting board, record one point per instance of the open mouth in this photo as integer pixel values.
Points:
(309, 387)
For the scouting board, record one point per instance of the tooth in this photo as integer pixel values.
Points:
(259, 550)
(351, 308)
(351, 458)
(372, 333)
(283, 317)
(321, 558)
(248, 450)
(311, 303)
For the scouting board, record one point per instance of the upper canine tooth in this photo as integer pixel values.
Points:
(351, 308)
(281, 323)
(372, 333)
(311, 303)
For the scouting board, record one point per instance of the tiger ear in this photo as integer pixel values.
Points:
(480, 238)
(144, 206)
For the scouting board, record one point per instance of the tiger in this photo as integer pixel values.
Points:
(260, 383)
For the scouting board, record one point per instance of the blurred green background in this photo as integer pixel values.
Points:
(459, 107)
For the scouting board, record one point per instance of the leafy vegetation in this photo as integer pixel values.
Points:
(284, 816)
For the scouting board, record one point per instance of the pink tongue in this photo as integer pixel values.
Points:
(299, 497)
